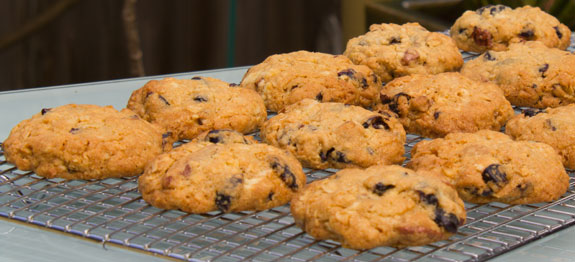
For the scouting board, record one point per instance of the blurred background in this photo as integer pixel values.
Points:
(55, 42)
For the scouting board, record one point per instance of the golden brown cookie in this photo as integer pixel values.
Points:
(436, 105)
(229, 175)
(188, 107)
(530, 74)
(553, 126)
(334, 135)
(84, 142)
(224, 136)
(392, 51)
(378, 206)
(285, 79)
(495, 27)
(489, 166)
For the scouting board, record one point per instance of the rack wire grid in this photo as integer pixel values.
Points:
(112, 211)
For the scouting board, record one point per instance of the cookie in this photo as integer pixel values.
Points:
(84, 142)
(553, 126)
(495, 27)
(435, 105)
(378, 206)
(530, 74)
(489, 166)
(392, 51)
(188, 107)
(334, 135)
(229, 175)
(224, 136)
(285, 79)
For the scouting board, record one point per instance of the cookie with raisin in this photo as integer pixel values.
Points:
(378, 206)
(220, 171)
(552, 126)
(495, 27)
(489, 166)
(335, 135)
(84, 142)
(188, 107)
(392, 51)
(285, 79)
(436, 105)
(530, 74)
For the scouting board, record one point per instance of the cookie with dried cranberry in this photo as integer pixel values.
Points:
(436, 105)
(392, 51)
(552, 126)
(530, 74)
(285, 79)
(334, 135)
(495, 27)
(230, 175)
(84, 142)
(188, 107)
(489, 166)
(378, 206)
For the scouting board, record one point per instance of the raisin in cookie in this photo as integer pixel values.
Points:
(553, 126)
(188, 107)
(285, 79)
(530, 74)
(489, 166)
(324, 135)
(214, 172)
(435, 105)
(378, 206)
(495, 27)
(84, 142)
(392, 50)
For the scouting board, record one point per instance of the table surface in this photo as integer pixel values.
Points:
(21, 242)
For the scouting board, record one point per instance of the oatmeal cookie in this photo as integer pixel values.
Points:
(285, 79)
(392, 51)
(188, 107)
(217, 173)
(435, 105)
(334, 135)
(495, 27)
(84, 142)
(378, 206)
(553, 126)
(489, 166)
(530, 74)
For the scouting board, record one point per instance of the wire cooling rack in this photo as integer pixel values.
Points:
(112, 211)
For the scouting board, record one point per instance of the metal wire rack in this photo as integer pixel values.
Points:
(112, 211)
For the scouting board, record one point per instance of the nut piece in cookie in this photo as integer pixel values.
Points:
(530, 74)
(84, 142)
(334, 135)
(220, 171)
(285, 79)
(392, 51)
(488, 166)
(436, 105)
(495, 27)
(552, 126)
(188, 107)
(378, 206)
